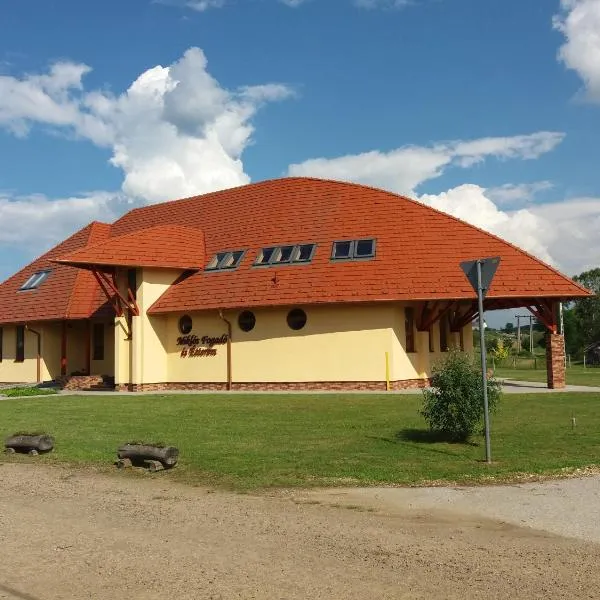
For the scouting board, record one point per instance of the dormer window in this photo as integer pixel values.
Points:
(285, 255)
(223, 261)
(35, 280)
(353, 249)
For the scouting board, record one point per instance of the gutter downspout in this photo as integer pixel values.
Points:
(229, 378)
(39, 352)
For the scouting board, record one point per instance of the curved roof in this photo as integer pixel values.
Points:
(418, 248)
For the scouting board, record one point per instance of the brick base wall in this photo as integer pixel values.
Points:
(555, 361)
(300, 386)
(78, 382)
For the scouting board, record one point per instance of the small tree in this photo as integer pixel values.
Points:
(500, 351)
(454, 404)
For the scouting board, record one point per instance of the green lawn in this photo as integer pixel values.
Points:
(576, 375)
(253, 441)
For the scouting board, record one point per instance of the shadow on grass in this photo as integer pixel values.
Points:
(427, 436)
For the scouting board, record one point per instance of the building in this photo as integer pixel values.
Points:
(293, 283)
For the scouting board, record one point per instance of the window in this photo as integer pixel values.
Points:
(0, 344)
(444, 334)
(35, 280)
(20, 349)
(98, 341)
(264, 256)
(286, 255)
(185, 324)
(225, 260)
(353, 249)
(409, 326)
(296, 319)
(304, 252)
(246, 321)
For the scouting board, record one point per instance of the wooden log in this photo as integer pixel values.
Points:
(124, 463)
(154, 466)
(33, 452)
(9, 450)
(24, 443)
(167, 455)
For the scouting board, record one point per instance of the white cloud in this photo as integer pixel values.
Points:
(533, 228)
(579, 22)
(521, 193)
(470, 203)
(402, 170)
(175, 132)
(382, 4)
(52, 220)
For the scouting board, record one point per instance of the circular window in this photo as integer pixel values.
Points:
(185, 324)
(246, 321)
(296, 319)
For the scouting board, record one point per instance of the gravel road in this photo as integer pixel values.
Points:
(81, 534)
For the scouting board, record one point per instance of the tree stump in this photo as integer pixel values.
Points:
(27, 443)
(167, 456)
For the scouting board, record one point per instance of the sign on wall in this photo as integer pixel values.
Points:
(194, 346)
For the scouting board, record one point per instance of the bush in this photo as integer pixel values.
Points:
(17, 392)
(453, 406)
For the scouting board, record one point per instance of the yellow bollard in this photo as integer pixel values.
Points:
(387, 371)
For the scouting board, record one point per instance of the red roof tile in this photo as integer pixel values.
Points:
(418, 248)
(67, 293)
(164, 246)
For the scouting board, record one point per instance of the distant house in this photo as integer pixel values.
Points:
(592, 355)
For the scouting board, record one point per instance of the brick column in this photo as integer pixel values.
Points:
(555, 360)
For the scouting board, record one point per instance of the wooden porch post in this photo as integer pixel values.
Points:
(63, 349)
(88, 342)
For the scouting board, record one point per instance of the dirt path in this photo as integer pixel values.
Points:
(75, 534)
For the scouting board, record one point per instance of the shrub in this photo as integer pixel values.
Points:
(27, 391)
(453, 406)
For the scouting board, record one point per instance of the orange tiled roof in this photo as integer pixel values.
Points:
(68, 293)
(418, 248)
(164, 246)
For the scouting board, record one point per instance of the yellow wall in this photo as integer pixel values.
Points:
(338, 343)
(107, 365)
(143, 358)
(18, 372)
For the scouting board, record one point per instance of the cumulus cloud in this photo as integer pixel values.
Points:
(53, 219)
(506, 211)
(520, 193)
(175, 132)
(579, 22)
(402, 170)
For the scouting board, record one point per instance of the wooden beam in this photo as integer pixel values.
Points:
(63, 349)
(88, 343)
(433, 314)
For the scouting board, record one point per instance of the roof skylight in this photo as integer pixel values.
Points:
(223, 261)
(353, 249)
(285, 255)
(35, 280)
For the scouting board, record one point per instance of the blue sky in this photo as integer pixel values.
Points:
(488, 110)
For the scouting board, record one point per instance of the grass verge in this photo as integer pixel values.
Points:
(260, 441)
(576, 375)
